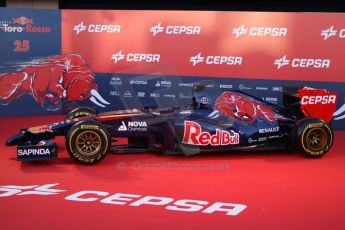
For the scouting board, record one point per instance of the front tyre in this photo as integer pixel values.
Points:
(88, 142)
(315, 137)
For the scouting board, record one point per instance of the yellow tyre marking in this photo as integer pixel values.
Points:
(307, 150)
(87, 160)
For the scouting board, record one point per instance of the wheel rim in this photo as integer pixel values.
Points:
(316, 139)
(88, 143)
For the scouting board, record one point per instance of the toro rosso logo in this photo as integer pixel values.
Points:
(193, 135)
(51, 81)
(23, 24)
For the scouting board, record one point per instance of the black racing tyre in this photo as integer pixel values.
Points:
(79, 112)
(314, 137)
(88, 142)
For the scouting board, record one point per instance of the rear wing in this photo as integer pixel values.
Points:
(310, 102)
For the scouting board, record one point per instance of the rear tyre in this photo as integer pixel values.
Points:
(79, 112)
(88, 142)
(314, 137)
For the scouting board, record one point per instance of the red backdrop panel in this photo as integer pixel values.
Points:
(312, 43)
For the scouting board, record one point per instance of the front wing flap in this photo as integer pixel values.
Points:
(43, 150)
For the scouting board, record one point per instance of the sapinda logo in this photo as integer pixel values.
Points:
(96, 28)
(216, 60)
(331, 32)
(193, 135)
(23, 24)
(124, 199)
(260, 31)
(317, 63)
(30, 152)
(135, 57)
(175, 29)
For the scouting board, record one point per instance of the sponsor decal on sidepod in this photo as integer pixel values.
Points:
(193, 135)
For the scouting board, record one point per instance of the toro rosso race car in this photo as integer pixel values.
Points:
(230, 121)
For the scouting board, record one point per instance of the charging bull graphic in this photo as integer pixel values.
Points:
(52, 80)
(243, 108)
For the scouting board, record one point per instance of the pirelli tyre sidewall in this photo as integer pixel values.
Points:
(88, 142)
(314, 137)
(79, 112)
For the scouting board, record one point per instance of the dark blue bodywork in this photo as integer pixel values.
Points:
(164, 129)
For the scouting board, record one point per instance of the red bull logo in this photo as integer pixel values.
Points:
(22, 20)
(52, 80)
(193, 135)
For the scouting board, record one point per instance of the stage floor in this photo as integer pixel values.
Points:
(281, 190)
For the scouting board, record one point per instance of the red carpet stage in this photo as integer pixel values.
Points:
(261, 190)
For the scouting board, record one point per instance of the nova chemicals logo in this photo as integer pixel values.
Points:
(174, 29)
(96, 28)
(140, 126)
(260, 31)
(122, 127)
(331, 32)
(135, 57)
(163, 84)
(216, 60)
(317, 63)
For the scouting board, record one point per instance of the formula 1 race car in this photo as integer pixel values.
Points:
(230, 121)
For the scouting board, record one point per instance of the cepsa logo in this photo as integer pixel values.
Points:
(216, 60)
(175, 29)
(317, 63)
(193, 135)
(331, 32)
(124, 199)
(97, 28)
(135, 57)
(260, 31)
(23, 24)
(314, 100)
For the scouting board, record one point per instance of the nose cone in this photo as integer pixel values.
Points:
(17, 138)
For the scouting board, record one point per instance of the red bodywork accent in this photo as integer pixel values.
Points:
(243, 108)
(317, 103)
